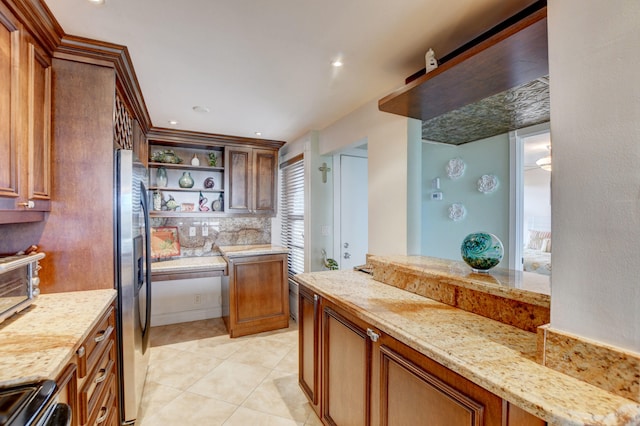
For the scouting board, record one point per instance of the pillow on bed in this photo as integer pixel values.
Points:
(536, 238)
(546, 245)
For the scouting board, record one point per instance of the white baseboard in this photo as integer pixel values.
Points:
(185, 316)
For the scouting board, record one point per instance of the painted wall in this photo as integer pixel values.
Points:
(177, 301)
(387, 141)
(441, 236)
(536, 209)
(595, 127)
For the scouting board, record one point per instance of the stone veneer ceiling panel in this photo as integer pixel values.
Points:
(522, 106)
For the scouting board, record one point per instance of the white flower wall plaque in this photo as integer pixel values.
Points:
(455, 168)
(487, 184)
(457, 212)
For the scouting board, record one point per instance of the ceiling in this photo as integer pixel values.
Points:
(265, 65)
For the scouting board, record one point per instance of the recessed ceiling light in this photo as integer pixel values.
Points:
(173, 122)
(337, 63)
(96, 1)
(199, 108)
(258, 133)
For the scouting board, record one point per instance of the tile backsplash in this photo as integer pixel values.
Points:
(219, 232)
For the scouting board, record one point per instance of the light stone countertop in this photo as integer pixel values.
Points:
(496, 356)
(186, 264)
(523, 286)
(252, 250)
(39, 342)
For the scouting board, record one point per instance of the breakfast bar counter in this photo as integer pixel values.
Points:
(500, 358)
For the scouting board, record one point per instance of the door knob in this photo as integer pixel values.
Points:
(346, 255)
(346, 245)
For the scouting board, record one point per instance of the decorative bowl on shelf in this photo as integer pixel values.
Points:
(166, 156)
(209, 183)
(482, 251)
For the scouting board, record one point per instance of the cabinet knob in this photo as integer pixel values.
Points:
(27, 204)
(372, 335)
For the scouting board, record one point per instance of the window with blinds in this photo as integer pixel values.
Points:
(292, 210)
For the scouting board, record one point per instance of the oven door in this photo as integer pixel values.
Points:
(33, 404)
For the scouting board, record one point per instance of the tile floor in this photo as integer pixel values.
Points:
(200, 376)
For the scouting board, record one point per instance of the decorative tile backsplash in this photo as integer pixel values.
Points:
(219, 232)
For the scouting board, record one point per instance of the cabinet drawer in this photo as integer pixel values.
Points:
(94, 346)
(97, 380)
(106, 412)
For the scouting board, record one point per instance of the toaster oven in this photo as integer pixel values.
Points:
(19, 282)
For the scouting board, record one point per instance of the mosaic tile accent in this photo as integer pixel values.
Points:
(522, 106)
(610, 368)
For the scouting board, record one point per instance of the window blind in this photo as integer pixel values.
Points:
(292, 209)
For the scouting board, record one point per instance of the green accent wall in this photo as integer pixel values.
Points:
(441, 236)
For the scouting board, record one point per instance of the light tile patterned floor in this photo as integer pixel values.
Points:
(200, 376)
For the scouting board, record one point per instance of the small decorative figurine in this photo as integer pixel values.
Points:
(430, 59)
(171, 203)
(157, 201)
(195, 161)
(203, 203)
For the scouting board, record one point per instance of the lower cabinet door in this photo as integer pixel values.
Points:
(308, 347)
(346, 371)
(411, 396)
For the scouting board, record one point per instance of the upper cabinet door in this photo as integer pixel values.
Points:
(265, 186)
(39, 125)
(9, 108)
(238, 178)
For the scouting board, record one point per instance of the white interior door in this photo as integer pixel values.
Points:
(353, 211)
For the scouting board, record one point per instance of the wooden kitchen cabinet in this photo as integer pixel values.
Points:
(367, 377)
(346, 370)
(255, 294)
(25, 111)
(251, 175)
(309, 346)
(89, 384)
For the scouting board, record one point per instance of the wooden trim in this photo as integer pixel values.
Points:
(174, 275)
(193, 139)
(39, 21)
(290, 161)
(513, 56)
(109, 54)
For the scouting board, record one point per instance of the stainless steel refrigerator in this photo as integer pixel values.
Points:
(133, 280)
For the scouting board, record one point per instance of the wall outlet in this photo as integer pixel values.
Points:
(205, 230)
(197, 299)
(192, 231)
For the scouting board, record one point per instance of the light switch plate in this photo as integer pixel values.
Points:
(192, 231)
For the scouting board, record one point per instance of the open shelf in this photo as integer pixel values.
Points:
(186, 166)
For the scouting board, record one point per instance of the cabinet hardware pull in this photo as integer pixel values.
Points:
(101, 337)
(28, 204)
(372, 335)
(101, 378)
(103, 417)
(81, 351)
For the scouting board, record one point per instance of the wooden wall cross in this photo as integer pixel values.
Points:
(324, 169)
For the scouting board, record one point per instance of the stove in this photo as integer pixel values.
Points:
(33, 404)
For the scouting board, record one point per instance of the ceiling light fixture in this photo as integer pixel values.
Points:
(337, 63)
(544, 163)
(173, 122)
(258, 133)
(199, 108)
(96, 1)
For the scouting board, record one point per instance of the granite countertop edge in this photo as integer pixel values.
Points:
(39, 342)
(447, 335)
(251, 250)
